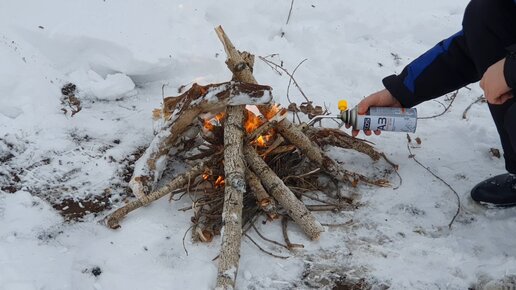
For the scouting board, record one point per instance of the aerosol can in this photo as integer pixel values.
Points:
(376, 118)
(380, 118)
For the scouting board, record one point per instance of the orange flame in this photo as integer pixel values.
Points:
(272, 112)
(252, 122)
(260, 141)
(208, 125)
(220, 116)
(220, 181)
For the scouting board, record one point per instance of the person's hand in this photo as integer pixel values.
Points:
(382, 98)
(494, 84)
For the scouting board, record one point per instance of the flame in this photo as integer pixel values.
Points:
(208, 125)
(220, 181)
(220, 116)
(252, 122)
(260, 141)
(272, 112)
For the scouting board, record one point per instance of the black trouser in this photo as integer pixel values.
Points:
(489, 27)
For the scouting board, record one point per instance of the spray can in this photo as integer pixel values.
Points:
(380, 118)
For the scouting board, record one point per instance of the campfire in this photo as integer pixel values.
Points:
(247, 160)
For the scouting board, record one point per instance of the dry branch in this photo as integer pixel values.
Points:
(114, 219)
(275, 186)
(235, 187)
(263, 199)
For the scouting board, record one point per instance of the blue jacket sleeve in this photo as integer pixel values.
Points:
(444, 68)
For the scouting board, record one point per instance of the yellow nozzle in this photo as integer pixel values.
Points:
(343, 105)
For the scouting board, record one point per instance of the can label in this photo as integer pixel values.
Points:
(388, 119)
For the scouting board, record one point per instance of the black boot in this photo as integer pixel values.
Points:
(497, 191)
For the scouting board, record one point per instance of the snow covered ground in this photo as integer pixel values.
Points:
(120, 53)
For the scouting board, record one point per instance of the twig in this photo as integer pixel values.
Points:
(302, 175)
(446, 108)
(480, 99)
(290, 11)
(289, 74)
(290, 82)
(315, 198)
(348, 223)
(323, 207)
(284, 224)
(184, 238)
(265, 251)
(268, 240)
(442, 180)
(395, 167)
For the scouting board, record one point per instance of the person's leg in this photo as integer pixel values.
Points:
(489, 27)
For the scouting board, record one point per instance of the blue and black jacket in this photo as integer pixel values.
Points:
(458, 61)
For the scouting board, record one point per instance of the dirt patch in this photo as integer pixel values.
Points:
(76, 209)
(73, 210)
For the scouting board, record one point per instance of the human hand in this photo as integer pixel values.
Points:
(494, 84)
(382, 98)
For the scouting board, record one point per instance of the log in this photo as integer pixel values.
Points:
(183, 111)
(235, 187)
(113, 220)
(263, 199)
(275, 186)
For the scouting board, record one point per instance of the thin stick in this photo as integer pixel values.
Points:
(480, 99)
(113, 220)
(442, 180)
(323, 207)
(184, 238)
(289, 74)
(266, 239)
(284, 225)
(288, 88)
(292, 79)
(265, 251)
(312, 197)
(395, 167)
(348, 223)
(290, 11)
(446, 108)
(303, 175)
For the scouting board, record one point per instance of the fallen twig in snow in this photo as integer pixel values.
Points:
(290, 11)
(480, 99)
(446, 108)
(436, 176)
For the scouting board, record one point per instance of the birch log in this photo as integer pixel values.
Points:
(275, 186)
(263, 199)
(234, 189)
(114, 219)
